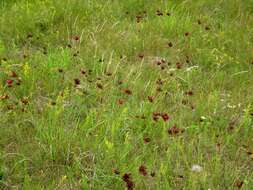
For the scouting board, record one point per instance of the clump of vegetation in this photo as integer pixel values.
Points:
(133, 94)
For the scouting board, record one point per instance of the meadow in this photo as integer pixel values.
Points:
(126, 94)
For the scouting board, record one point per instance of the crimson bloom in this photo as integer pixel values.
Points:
(9, 82)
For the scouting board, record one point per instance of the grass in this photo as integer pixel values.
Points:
(133, 94)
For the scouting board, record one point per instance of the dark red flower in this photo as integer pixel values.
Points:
(186, 33)
(189, 93)
(100, 86)
(83, 72)
(141, 55)
(9, 82)
(25, 100)
(138, 18)
(13, 74)
(165, 116)
(159, 13)
(170, 44)
(238, 183)
(128, 92)
(127, 179)
(168, 14)
(179, 65)
(207, 28)
(143, 170)
(151, 99)
(77, 81)
(156, 116)
(109, 74)
(251, 113)
(159, 89)
(29, 36)
(76, 38)
(147, 140)
(120, 101)
(159, 81)
(175, 130)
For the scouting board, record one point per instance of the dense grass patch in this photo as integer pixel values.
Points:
(133, 94)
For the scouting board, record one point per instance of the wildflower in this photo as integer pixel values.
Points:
(207, 28)
(196, 168)
(168, 14)
(186, 34)
(156, 116)
(152, 174)
(109, 74)
(29, 36)
(127, 179)
(159, 13)
(120, 82)
(138, 18)
(100, 86)
(143, 170)
(83, 72)
(147, 140)
(60, 70)
(199, 22)
(9, 82)
(189, 93)
(128, 92)
(76, 38)
(179, 65)
(175, 130)
(151, 99)
(120, 101)
(77, 81)
(13, 74)
(165, 116)
(159, 89)
(159, 81)
(170, 44)
(25, 100)
(141, 55)
(238, 183)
